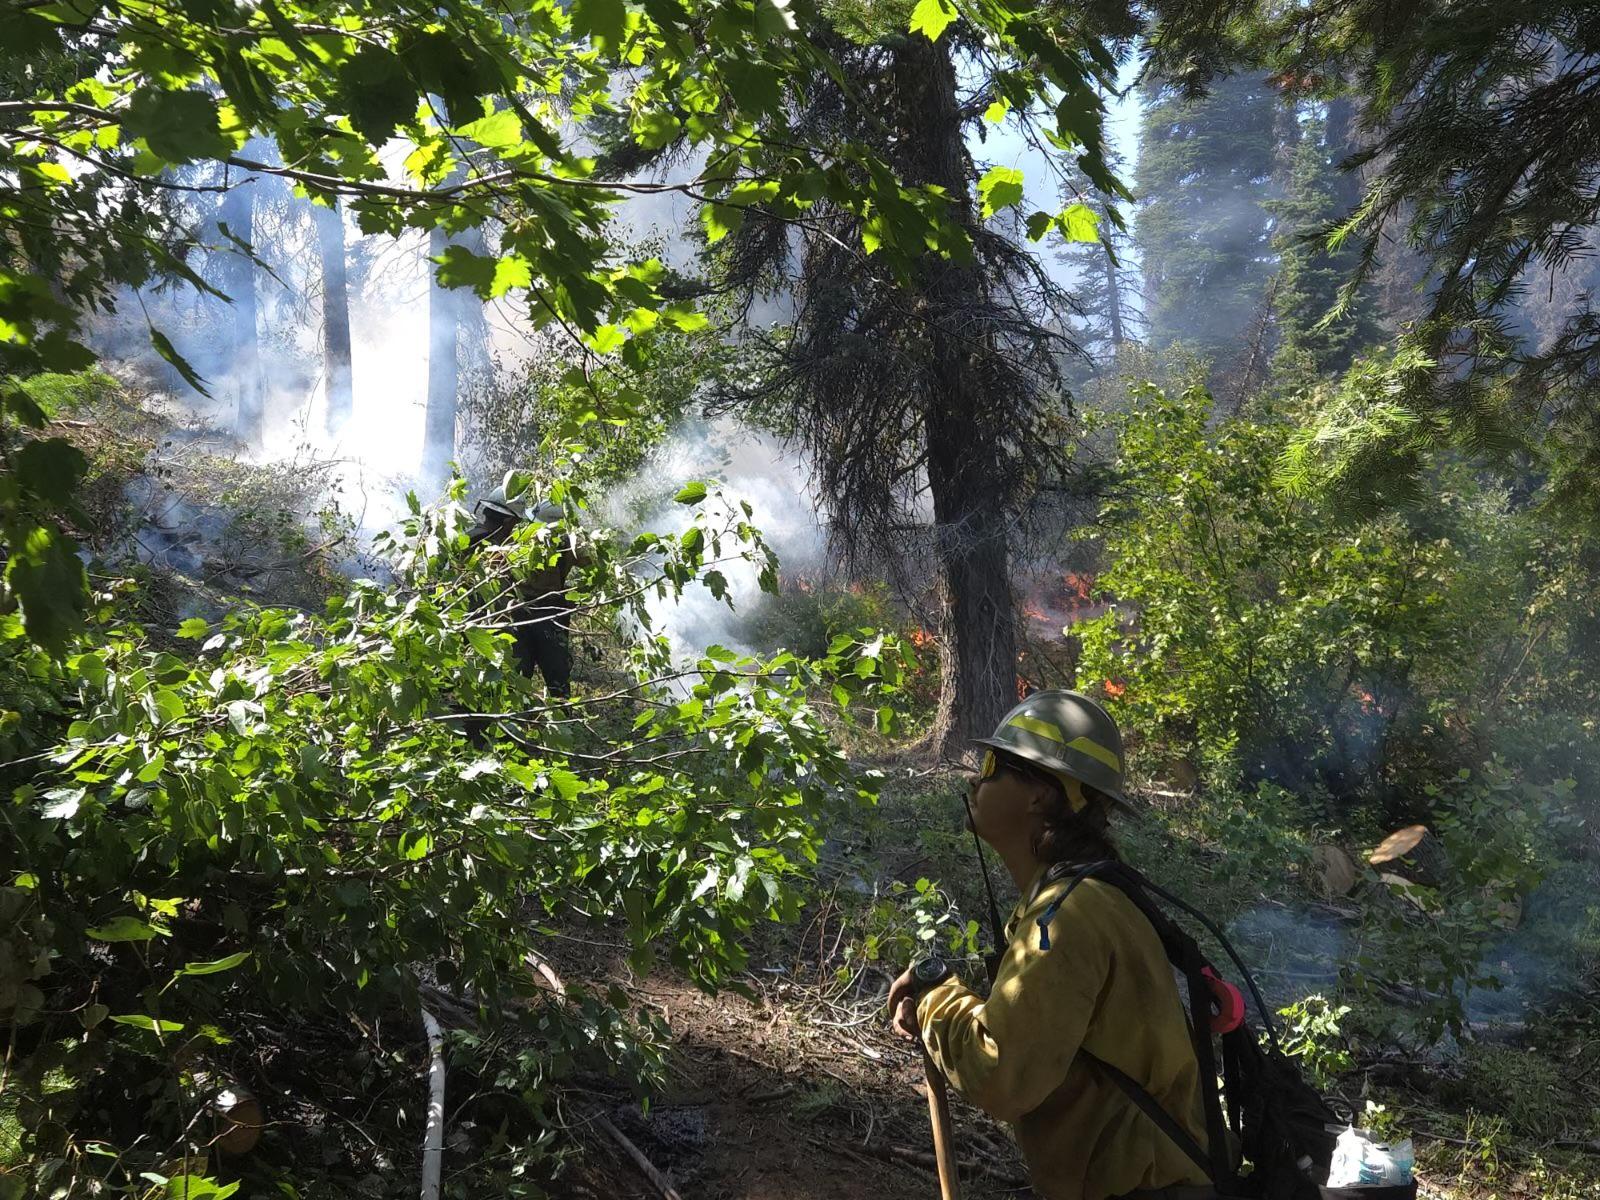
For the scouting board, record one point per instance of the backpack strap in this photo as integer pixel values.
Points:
(1151, 1108)
(1185, 954)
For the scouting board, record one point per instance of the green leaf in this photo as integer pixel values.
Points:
(123, 929)
(179, 126)
(606, 21)
(874, 232)
(50, 469)
(497, 131)
(1079, 223)
(198, 1187)
(719, 220)
(510, 271)
(1039, 224)
(566, 783)
(216, 966)
(64, 803)
(685, 319)
(460, 267)
(140, 1021)
(691, 493)
(774, 20)
(757, 87)
(607, 339)
(194, 628)
(415, 846)
(931, 17)
(1000, 188)
(51, 587)
(168, 351)
(375, 93)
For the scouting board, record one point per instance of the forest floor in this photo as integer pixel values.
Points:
(792, 1096)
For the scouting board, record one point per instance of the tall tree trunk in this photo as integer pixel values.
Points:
(238, 214)
(439, 425)
(965, 463)
(338, 376)
(1113, 295)
(473, 357)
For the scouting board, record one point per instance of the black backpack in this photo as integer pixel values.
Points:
(1280, 1124)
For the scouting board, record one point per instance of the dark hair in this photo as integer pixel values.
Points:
(1068, 836)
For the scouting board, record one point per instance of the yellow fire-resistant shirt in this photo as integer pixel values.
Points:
(1104, 986)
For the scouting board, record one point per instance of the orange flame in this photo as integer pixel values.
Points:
(921, 638)
(1113, 688)
(1024, 688)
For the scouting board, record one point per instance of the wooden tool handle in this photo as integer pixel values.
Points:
(944, 1150)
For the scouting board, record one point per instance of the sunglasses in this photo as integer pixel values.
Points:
(992, 766)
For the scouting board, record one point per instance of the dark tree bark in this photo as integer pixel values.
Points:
(967, 475)
(938, 387)
(1113, 296)
(444, 376)
(238, 215)
(337, 369)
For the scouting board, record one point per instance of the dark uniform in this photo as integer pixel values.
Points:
(541, 621)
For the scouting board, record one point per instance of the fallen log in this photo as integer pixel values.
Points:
(648, 1168)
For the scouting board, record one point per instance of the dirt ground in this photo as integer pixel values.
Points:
(771, 1103)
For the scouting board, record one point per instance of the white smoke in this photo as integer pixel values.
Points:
(744, 467)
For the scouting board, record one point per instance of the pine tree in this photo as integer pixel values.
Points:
(1205, 173)
(1100, 274)
(927, 392)
(1320, 330)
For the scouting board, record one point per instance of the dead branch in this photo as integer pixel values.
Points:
(663, 1185)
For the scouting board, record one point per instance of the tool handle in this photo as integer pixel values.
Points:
(944, 1149)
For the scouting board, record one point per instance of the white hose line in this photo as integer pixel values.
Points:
(433, 1138)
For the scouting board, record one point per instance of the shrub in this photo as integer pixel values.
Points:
(295, 820)
(1272, 639)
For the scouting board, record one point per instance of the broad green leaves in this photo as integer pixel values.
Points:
(177, 126)
(123, 929)
(931, 17)
(312, 782)
(1077, 223)
(1000, 187)
(316, 94)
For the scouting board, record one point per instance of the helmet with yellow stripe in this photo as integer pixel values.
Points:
(1068, 735)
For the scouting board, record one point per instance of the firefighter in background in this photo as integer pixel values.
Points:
(1089, 974)
(541, 619)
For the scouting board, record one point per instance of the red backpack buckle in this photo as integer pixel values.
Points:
(1227, 1003)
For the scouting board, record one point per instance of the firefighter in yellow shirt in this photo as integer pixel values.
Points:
(1091, 986)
